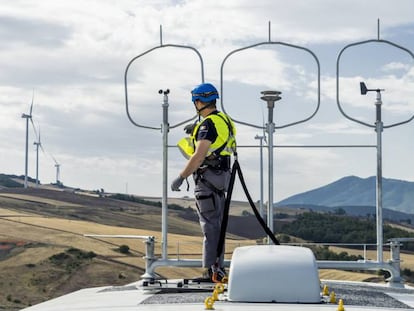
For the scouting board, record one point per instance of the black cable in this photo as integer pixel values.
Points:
(236, 168)
(225, 219)
(257, 214)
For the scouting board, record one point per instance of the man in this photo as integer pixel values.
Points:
(208, 149)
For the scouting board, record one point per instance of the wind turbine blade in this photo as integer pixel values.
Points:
(54, 160)
(40, 143)
(31, 106)
(35, 131)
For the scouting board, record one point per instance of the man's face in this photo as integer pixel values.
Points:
(198, 105)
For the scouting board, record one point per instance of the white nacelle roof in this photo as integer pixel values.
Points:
(259, 277)
(274, 273)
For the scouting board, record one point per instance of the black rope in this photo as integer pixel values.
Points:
(257, 214)
(236, 168)
(225, 219)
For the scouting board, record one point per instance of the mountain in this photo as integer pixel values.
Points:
(398, 195)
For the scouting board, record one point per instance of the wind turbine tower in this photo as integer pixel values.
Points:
(57, 165)
(27, 117)
(37, 144)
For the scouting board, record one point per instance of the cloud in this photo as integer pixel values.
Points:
(396, 66)
(74, 55)
(21, 33)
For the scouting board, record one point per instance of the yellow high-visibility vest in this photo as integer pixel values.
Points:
(226, 137)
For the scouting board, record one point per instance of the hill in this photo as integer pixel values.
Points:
(44, 253)
(42, 257)
(398, 195)
(357, 211)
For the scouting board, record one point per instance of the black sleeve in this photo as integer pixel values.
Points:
(207, 131)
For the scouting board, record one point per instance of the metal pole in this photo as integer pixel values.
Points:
(261, 174)
(270, 31)
(270, 97)
(270, 131)
(378, 29)
(379, 129)
(164, 216)
(261, 178)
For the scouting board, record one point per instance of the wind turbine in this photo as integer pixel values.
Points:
(37, 144)
(27, 117)
(57, 165)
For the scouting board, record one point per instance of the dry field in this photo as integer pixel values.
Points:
(407, 260)
(59, 234)
(47, 225)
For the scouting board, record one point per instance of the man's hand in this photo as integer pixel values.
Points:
(176, 184)
(188, 129)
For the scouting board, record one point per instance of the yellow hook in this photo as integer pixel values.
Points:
(219, 287)
(325, 291)
(341, 305)
(332, 297)
(209, 302)
(215, 295)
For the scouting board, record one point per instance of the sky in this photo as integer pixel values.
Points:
(70, 58)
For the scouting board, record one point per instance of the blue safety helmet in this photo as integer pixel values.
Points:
(204, 92)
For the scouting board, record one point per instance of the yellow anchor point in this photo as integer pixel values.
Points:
(325, 291)
(341, 305)
(332, 297)
(209, 302)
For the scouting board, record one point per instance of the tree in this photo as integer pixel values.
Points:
(124, 249)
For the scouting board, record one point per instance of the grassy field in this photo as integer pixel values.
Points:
(36, 228)
(41, 234)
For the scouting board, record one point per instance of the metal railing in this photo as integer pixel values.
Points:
(152, 260)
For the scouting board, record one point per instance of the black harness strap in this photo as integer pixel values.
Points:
(236, 168)
(221, 148)
(225, 219)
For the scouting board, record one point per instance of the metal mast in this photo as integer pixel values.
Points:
(270, 97)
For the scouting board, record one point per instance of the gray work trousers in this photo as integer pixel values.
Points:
(211, 186)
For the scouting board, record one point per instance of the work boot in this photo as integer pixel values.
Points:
(205, 277)
(218, 275)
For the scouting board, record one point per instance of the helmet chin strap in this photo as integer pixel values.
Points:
(206, 106)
